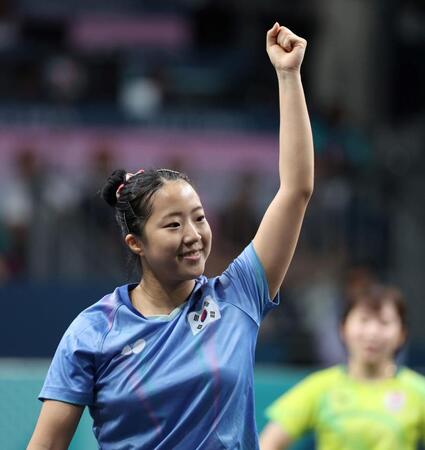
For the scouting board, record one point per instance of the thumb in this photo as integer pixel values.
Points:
(271, 37)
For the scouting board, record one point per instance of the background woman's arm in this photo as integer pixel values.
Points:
(274, 437)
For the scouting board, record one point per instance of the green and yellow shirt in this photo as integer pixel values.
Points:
(346, 414)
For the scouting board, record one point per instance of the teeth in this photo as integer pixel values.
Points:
(194, 252)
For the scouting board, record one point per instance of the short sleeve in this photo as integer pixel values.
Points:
(295, 411)
(250, 288)
(70, 377)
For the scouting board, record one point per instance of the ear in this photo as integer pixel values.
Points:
(403, 338)
(134, 244)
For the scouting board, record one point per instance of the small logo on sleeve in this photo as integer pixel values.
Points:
(209, 313)
(134, 348)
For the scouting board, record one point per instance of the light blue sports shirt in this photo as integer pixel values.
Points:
(178, 382)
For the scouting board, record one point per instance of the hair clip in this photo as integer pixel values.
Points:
(131, 175)
(119, 190)
(128, 175)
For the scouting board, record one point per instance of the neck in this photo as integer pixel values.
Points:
(150, 297)
(377, 371)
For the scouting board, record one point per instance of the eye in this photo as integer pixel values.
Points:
(200, 218)
(172, 225)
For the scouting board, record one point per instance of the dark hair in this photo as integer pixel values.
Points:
(133, 206)
(375, 297)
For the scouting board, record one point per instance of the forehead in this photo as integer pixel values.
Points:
(174, 195)
(386, 310)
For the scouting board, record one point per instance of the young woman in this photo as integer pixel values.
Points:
(369, 404)
(168, 363)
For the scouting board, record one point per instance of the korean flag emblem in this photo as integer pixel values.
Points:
(209, 312)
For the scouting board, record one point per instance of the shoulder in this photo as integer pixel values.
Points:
(96, 320)
(245, 264)
(325, 377)
(413, 380)
(306, 395)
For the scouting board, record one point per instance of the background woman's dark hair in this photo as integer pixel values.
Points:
(374, 297)
(134, 205)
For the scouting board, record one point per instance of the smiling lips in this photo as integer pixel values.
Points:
(192, 255)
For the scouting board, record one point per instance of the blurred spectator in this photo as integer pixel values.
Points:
(65, 79)
(343, 152)
(141, 97)
(54, 244)
(238, 221)
(37, 209)
(319, 301)
(345, 54)
(21, 194)
(4, 254)
(103, 254)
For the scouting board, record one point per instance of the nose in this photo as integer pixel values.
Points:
(373, 329)
(191, 234)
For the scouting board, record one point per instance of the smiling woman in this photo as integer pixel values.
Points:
(167, 363)
(163, 223)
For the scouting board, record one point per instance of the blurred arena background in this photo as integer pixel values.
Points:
(89, 86)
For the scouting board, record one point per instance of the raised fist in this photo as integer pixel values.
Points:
(285, 49)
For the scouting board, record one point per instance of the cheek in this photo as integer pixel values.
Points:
(162, 245)
(207, 236)
(395, 337)
(351, 335)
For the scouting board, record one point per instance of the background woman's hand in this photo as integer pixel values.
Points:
(285, 49)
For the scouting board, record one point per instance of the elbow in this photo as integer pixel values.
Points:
(299, 191)
(303, 193)
(306, 192)
(307, 188)
(298, 195)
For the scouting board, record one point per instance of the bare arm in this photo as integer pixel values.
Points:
(56, 426)
(279, 230)
(274, 437)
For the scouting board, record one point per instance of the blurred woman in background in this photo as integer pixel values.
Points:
(368, 404)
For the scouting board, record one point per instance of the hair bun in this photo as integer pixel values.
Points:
(109, 189)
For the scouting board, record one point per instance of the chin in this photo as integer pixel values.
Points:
(372, 360)
(186, 275)
(197, 273)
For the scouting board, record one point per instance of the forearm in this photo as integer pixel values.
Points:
(34, 445)
(40, 442)
(296, 158)
(274, 437)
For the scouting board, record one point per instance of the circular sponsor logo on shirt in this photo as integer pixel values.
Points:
(134, 348)
(394, 401)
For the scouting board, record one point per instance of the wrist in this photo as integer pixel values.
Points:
(288, 74)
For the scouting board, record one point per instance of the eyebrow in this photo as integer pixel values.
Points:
(179, 213)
